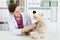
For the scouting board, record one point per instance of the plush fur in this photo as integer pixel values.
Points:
(40, 30)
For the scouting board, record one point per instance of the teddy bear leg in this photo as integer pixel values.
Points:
(35, 35)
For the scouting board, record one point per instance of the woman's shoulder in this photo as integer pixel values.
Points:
(25, 14)
(9, 16)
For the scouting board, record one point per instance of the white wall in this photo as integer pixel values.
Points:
(58, 24)
(3, 15)
(3, 18)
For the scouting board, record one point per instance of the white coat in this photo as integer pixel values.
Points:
(13, 27)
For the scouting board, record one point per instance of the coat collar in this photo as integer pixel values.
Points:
(14, 21)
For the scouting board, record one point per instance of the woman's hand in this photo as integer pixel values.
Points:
(25, 29)
(28, 28)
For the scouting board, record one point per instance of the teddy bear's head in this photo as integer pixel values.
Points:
(38, 16)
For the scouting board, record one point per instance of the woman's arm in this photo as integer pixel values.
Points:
(29, 28)
(12, 27)
(30, 25)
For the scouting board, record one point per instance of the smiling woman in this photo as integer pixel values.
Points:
(18, 21)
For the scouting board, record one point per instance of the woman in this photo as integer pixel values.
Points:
(19, 23)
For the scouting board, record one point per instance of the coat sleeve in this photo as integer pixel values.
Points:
(29, 20)
(12, 27)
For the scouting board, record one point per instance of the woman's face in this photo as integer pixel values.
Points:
(17, 12)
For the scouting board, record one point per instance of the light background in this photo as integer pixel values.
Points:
(52, 14)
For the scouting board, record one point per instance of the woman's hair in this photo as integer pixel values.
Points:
(12, 7)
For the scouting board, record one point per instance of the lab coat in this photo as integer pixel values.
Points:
(13, 27)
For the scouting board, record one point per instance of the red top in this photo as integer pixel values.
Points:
(20, 22)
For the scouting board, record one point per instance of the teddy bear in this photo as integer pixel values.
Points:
(40, 30)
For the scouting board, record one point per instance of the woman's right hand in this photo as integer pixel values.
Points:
(23, 30)
(28, 28)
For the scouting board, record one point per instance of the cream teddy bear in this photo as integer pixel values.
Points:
(40, 30)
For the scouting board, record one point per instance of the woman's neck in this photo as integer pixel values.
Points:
(18, 18)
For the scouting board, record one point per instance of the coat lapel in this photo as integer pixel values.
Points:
(14, 21)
